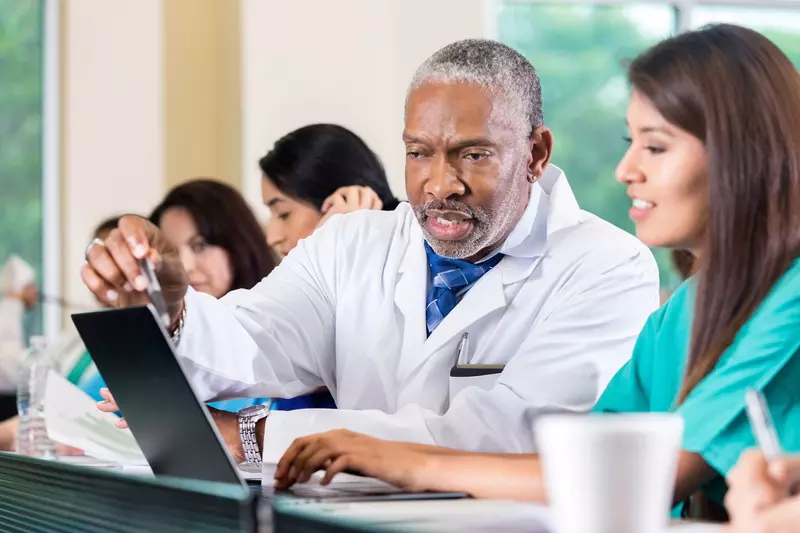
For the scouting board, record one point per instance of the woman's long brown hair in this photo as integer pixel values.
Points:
(739, 94)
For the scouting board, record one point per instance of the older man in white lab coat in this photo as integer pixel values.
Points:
(373, 305)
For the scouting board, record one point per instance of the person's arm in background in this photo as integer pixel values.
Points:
(12, 345)
(8, 434)
(18, 293)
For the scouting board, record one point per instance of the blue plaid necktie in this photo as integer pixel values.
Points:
(450, 278)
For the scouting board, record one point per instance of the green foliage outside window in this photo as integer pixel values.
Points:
(580, 52)
(21, 68)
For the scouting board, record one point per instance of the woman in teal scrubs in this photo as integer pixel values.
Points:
(713, 167)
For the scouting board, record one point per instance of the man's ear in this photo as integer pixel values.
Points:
(541, 147)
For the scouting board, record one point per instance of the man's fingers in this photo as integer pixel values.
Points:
(342, 463)
(289, 457)
(102, 290)
(315, 462)
(124, 262)
(121, 424)
(133, 233)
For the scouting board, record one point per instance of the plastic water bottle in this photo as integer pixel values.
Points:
(32, 436)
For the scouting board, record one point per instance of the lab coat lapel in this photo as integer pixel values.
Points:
(410, 298)
(524, 250)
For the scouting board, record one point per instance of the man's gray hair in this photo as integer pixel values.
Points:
(497, 67)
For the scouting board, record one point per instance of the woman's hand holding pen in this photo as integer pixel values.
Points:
(112, 270)
(759, 489)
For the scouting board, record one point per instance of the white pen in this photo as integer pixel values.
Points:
(154, 291)
(762, 425)
(462, 354)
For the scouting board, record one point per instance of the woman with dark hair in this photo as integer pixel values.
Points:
(713, 168)
(223, 248)
(315, 172)
(220, 242)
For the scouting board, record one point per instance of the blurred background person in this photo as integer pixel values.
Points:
(18, 295)
(223, 248)
(314, 173)
(72, 360)
(219, 240)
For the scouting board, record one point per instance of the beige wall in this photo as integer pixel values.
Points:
(155, 92)
(113, 144)
(343, 61)
(150, 98)
(201, 69)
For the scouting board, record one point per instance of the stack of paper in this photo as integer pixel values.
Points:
(72, 418)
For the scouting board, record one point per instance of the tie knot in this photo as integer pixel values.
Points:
(455, 274)
(449, 279)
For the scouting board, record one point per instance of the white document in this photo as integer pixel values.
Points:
(72, 418)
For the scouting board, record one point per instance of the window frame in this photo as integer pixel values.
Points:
(683, 8)
(51, 168)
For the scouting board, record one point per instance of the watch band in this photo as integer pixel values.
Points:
(248, 418)
(176, 334)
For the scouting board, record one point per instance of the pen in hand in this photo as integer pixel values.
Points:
(766, 435)
(762, 425)
(154, 291)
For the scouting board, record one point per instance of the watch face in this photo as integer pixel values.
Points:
(253, 410)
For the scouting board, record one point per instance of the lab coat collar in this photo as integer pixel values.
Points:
(551, 207)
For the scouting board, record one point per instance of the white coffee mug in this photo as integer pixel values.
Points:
(609, 473)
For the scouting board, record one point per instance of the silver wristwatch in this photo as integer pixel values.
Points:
(248, 417)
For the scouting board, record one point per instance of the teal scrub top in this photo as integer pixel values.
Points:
(763, 355)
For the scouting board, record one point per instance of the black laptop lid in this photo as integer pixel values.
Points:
(136, 358)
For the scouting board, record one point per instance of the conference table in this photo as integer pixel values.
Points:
(38, 496)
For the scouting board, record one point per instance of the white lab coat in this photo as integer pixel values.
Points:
(346, 310)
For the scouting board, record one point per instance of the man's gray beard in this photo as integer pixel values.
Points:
(467, 247)
(488, 227)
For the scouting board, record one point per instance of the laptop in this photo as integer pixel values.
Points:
(135, 356)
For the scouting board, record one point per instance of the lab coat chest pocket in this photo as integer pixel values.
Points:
(481, 376)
